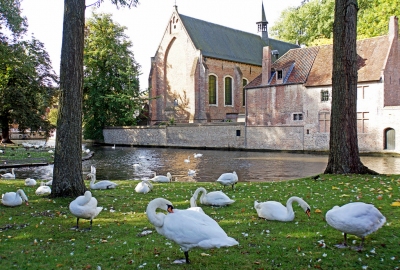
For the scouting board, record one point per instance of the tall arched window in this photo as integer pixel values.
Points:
(390, 137)
(212, 90)
(228, 91)
(245, 82)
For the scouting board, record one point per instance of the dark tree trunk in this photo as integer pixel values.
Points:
(5, 130)
(67, 175)
(343, 146)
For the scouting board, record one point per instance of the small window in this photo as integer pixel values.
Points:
(238, 132)
(212, 90)
(279, 74)
(297, 116)
(324, 95)
(228, 92)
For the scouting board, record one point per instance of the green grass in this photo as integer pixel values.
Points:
(40, 236)
(16, 154)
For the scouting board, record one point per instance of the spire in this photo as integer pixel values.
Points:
(263, 25)
(176, 7)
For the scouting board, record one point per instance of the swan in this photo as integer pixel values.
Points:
(187, 160)
(162, 178)
(191, 172)
(136, 166)
(30, 182)
(144, 187)
(197, 155)
(14, 198)
(49, 183)
(189, 229)
(358, 218)
(273, 210)
(113, 147)
(216, 198)
(9, 175)
(43, 189)
(103, 184)
(228, 179)
(85, 207)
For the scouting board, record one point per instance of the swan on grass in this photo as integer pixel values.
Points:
(189, 229)
(144, 187)
(9, 175)
(228, 179)
(30, 182)
(161, 178)
(49, 183)
(216, 198)
(14, 198)
(85, 207)
(187, 160)
(272, 210)
(103, 184)
(357, 218)
(43, 190)
(197, 155)
(191, 172)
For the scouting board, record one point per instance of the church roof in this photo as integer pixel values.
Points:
(217, 41)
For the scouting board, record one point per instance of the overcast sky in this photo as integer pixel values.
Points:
(147, 22)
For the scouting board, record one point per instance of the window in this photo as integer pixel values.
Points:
(324, 95)
(324, 119)
(361, 91)
(244, 93)
(362, 122)
(279, 74)
(212, 90)
(228, 91)
(297, 116)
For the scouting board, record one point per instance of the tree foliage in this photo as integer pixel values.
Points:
(10, 16)
(111, 85)
(312, 22)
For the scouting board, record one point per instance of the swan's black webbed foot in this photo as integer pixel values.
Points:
(344, 245)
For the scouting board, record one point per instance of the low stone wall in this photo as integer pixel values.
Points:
(275, 138)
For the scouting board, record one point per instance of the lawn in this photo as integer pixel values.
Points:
(40, 235)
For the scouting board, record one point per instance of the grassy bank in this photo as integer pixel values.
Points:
(39, 235)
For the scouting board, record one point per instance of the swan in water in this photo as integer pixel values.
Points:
(216, 198)
(43, 189)
(9, 175)
(187, 160)
(103, 184)
(197, 155)
(189, 229)
(113, 147)
(144, 187)
(30, 182)
(228, 179)
(273, 210)
(14, 198)
(162, 178)
(358, 218)
(85, 207)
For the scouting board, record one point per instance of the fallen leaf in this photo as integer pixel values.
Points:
(395, 204)
(318, 211)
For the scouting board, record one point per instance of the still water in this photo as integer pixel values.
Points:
(117, 164)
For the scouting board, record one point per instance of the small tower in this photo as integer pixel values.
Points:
(263, 26)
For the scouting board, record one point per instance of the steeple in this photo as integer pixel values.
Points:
(263, 26)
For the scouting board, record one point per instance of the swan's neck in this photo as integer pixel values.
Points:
(196, 193)
(93, 178)
(290, 202)
(157, 219)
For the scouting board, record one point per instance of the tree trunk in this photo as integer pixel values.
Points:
(5, 130)
(343, 145)
(67, 175)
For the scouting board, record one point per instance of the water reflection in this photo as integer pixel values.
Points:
(118, 164)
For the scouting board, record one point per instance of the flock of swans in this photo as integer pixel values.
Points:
(191, 228)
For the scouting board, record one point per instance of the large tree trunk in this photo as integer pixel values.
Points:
(5, 130)
(343, 146)
(67, 175)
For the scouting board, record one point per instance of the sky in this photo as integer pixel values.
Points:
(147, 22)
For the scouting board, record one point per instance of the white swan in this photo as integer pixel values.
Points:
(189, 229)
(103, 184)
(30, 182)
(144, 187)
(191, 172)
(216, 198)
(9, 175)
(358, 218)
(14, 198)
(49, 183)
(197, 155)
(228, 179)
(85, 207)
(162, 178)
(187, 160)
(273, 210)
(113, 147)
(43, 190)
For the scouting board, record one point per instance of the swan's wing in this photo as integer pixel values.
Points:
(272, 210)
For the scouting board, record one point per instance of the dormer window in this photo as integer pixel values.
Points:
(279, 75)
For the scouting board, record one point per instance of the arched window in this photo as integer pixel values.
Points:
(212, 90)
(389, 139)
(228, 91)
(245, 82)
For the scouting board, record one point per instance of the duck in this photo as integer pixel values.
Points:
(103, 184)
(272, 210)
(9, 175)
(228, 179)
(30, 182)
(144, 187)
(187, 160)
(14, 198)
(216, 198)
(85, 207)
(162, 178)
(197, 155)
(43, 189)
(357, 218)
(188, 229)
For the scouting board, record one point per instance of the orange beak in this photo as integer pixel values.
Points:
(170, 209)
(308, 212)
(27, 203)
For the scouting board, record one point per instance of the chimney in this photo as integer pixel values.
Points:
(393, 28)
(266, 65)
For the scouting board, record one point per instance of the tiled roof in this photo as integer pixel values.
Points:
(217, 41)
